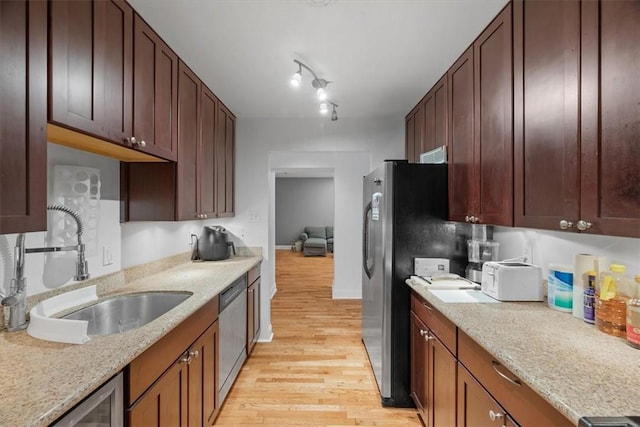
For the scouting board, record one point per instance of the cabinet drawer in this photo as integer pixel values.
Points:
(253, 274)
(519, 400)
(441, 327)
(145, 369)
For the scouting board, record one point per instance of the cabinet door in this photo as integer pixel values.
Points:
(225, 146)
(419, 131)
(155, 92)
(230, 169)
(256, 312)
(410, 150)
(251, 290)
(203, 379)
(442, 388)
(461, 137)
(207, 155)
(435, 116)
(476, 407)
(419, 356)
(493, 148)
(91, 70)
(610, 151)
(546, 116)
(23, 116)
(189, 89)
(164, 404)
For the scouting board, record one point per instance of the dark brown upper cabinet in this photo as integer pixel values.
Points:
(207, 154)
(461, 138)
(23, 116)
(546, 115)
(155, 93)
(610, 118)
(189, 93)
(90, 86)
(415, 132)
(493, 125)
(225, 169)
(481, 131)
(435, 116)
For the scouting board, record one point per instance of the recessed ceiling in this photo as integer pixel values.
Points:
(382, 56)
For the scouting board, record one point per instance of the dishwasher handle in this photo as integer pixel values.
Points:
(232, 292)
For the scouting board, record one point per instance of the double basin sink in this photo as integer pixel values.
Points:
(126, 312)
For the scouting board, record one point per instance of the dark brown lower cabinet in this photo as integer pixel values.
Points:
(175, 381)
(253, 308)
(433, 375)
(163, 404)
(476, 407)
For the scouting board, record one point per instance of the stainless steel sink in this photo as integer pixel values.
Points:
(126, 312)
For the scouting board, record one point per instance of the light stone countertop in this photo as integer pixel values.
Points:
(41, 380)
(571, 364)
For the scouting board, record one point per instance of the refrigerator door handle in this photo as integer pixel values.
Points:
(365, 242)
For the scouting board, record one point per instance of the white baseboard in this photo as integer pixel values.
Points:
(283, 247)
(266, 336)
(274, 290)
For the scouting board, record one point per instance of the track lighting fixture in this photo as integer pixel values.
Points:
(319, 85)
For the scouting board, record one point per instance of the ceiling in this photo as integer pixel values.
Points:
(381, 56)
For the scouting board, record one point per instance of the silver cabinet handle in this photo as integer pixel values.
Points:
(466, 218)
(564, 224)
(427, 306)
(583, 225)
(423, 332)
(131, 140)
(142, 144)
(194, 354)
(495, 365)
(495, 415)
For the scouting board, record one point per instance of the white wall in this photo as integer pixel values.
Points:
(302, 202)
(556, 247)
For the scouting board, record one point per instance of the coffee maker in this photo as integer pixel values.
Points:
(480, 250)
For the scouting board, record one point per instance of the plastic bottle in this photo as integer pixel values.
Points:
(614, 291)
(633, 317)
(589, 297)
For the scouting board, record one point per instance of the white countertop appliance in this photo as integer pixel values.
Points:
(512, 281)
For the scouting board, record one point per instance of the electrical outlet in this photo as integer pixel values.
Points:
(107, 255)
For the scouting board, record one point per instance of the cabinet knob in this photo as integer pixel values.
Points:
(495, 415)
(131, 140)
(583, 225)
(564, 224)
(186, 358)
(142, 144)
(423, 332)
(194, 354)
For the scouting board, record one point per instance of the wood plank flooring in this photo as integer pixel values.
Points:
(316, 371)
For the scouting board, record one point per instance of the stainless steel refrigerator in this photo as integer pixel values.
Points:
(405, 211)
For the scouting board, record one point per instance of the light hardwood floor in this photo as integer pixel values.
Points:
(316, 371)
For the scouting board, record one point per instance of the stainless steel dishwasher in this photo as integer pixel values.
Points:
(233, 334)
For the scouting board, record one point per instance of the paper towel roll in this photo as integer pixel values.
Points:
(581, 265)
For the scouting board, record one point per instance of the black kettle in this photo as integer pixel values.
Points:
(212, 245)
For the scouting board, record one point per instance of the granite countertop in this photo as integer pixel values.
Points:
(579, 370)
(41, 380)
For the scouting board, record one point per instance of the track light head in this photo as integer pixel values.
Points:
(319, 85)
(296, 79)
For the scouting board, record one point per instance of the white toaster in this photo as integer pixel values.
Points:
(512, 281)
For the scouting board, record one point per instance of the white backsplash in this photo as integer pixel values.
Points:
(557, 247)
